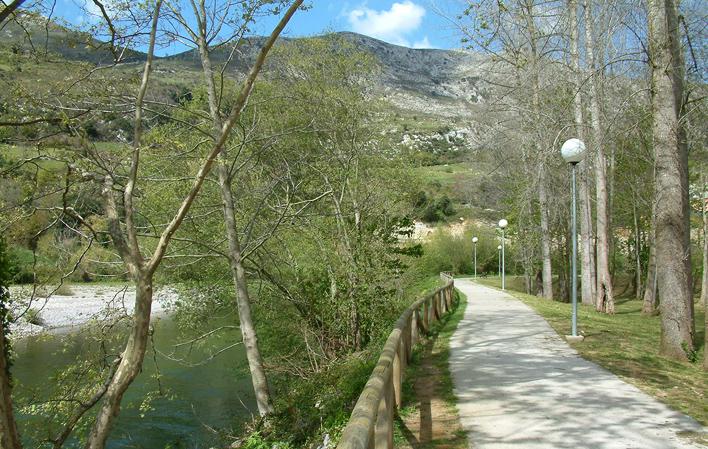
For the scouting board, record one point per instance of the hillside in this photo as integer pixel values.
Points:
(436, 97)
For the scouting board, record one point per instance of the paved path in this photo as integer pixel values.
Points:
(519, 385)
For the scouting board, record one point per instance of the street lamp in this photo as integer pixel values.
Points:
(475, 240)
(573, 151)
(503, 224)
(499, 261)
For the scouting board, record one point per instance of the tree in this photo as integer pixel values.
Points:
(604, 300)
(704, 284)
(587, 253)
(672, 248)
(9, 437)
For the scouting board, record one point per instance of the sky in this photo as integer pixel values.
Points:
(410, 23)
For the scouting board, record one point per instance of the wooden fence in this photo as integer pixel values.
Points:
(371, 423)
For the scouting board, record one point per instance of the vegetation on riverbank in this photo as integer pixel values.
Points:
(313, 410)
(625, 344)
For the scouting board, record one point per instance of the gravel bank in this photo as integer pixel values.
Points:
(62, 313)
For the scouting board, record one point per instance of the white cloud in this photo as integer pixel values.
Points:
(391, 25)
(423, 43)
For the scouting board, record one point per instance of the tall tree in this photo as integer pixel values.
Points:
(9, 437)
(604, 300)
(672, 248)
(124, 230)
(704, 283)
(587, 250)
(202, 35)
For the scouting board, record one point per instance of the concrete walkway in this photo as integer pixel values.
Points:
(519, 385)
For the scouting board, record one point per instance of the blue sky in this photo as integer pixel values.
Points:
(411, 23)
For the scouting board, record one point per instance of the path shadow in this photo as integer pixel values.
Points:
(426, 388)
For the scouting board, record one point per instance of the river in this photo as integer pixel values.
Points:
(215, 395)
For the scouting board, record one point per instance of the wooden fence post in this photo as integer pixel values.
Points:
(397, 376)
(414, 329)
(384, 419)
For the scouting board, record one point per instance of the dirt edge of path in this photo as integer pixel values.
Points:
(428, 418)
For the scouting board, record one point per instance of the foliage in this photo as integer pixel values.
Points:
(5, 278)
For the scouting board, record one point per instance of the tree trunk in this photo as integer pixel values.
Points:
(248, 330)
(704, 284)
(131, 361)
(604, 301)
(637, 257)
(542, 178)
(650, 287)
(545, 238)
(672, 251)
(587, 253)
(238, 273)
(9, 437)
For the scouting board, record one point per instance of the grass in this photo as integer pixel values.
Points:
(626, 344)
(430, 363)
(64, 290)
(447, 174)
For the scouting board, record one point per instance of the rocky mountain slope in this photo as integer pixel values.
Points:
(443, 83)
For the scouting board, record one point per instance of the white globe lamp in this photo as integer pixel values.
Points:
(573, 151)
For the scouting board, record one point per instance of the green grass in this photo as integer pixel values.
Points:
(626, 344)
(446, 174)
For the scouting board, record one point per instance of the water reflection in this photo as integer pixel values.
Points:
(215, 396)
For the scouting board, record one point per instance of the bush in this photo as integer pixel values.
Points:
(20, 262)
(64, 290)
(438, 209)
(33, 316)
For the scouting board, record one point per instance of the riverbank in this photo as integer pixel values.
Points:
(78, 305)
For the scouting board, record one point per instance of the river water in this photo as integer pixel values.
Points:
(214, 396)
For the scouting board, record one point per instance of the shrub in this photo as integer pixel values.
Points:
(33, 316)
(64, 290)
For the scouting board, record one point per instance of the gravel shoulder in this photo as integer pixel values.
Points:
(64, 313)
(519, 385)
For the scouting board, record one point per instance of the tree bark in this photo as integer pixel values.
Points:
(672, 250)
(238, 273)
(243, 300)
(650, 287)
(587, 252)
(143, 271)
(9, 436)
(704, 284)
(637, 256)
(547, 267)
(604, 301)
(131, 362)
(545, 237)
(9, 9)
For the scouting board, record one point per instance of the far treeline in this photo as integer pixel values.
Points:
(263, 181)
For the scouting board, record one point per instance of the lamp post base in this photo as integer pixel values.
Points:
(574, 338)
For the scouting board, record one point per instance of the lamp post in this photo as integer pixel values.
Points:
(572, 151)
(503, 224)
(499, 261)
(475, 240)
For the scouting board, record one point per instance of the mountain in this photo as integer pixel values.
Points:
(440, 82)
(48, 37)
(428, 89)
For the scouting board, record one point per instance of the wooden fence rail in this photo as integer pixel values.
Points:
(371, 423)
